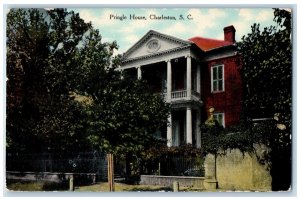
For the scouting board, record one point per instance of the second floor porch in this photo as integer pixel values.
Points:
(177, 79)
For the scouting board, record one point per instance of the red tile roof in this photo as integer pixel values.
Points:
(207, 44)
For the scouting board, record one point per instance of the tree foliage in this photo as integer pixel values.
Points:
(64, 92)
(41, 116)
(267, 71)
(267, 68)
(126, 124)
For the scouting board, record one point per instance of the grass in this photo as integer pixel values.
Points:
(99, 187)
(35, 186)
(121, 187)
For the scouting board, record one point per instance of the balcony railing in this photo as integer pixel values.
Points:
(181, 95)
(178, 94)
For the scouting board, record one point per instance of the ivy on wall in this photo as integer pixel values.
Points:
(216, 139)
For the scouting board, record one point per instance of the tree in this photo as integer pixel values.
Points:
(267, 72)
(267, 67)
(40, 47)
(64, 92)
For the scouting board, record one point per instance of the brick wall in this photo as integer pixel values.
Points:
(228, 101)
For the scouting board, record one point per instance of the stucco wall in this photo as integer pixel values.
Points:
(238, 171)
(185, 181)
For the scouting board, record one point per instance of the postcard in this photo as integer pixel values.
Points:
(149, 99)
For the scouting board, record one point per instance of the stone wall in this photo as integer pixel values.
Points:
(196, 182)
(238, 171)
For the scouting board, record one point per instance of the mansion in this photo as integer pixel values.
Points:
(192, 75)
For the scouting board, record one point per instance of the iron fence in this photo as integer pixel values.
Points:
(87, 162)
(168, 164)
(174, 164)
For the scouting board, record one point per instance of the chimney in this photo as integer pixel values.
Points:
(229, 34)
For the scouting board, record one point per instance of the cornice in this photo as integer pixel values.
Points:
(155, 54)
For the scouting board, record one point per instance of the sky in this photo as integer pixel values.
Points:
(203, 22)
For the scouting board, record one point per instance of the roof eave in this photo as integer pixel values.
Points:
(221, 47)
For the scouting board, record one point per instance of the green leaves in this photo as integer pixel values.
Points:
(40, 59)
(266, 58)
(131, 114)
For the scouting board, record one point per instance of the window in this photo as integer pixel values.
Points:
(217, 78)
(220, 118)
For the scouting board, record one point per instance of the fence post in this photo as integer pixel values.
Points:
(110, 172)
(159, 167)
(175, 186)
(94, 178)
(71, 183)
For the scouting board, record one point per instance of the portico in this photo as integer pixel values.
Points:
(172, 69)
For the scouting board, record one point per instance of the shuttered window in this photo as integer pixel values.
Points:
(217, 78)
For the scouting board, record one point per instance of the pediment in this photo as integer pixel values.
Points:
(153, 43)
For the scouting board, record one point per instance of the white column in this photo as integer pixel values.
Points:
(169, 131)
(198, 130)
(169, 80)
(189, 139)
(139, 72)
(198, 89)
(189, 76)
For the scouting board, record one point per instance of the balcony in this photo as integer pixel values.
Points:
(182, 95)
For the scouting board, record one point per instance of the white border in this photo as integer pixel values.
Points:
(155, 3)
